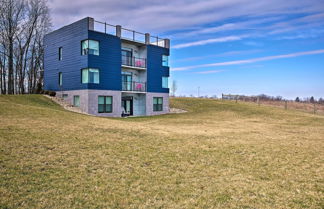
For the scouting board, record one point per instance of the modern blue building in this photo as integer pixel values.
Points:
(108, 70)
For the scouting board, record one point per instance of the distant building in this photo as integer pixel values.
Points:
(108, 70)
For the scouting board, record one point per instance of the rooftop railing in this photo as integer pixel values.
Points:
(127, 34)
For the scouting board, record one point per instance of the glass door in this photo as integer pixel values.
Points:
(127, 55)
(127, 80)
(127, 103)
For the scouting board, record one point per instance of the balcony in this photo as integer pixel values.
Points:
(133, 86)
(133, 62)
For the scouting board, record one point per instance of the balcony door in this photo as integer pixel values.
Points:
(127, 104)
(127, 80)
(127, 55)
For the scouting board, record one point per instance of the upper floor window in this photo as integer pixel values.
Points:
(165, 82)
(90, 75)
(60, 53)
(90, 47)
(60, 79)
(165, 60)
(157, 103)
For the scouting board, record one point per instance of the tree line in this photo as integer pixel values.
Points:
(23, 24)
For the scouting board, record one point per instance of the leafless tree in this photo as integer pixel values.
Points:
(23, 24)
(174, 87)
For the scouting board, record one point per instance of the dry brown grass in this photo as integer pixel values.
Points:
(305, 107)
(217, 155)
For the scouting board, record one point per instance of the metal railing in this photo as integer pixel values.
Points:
(128, 34)
(133, 86)
(133, 61)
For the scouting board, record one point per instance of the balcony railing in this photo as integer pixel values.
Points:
(133, 61)
(134, 86)
(128, 34)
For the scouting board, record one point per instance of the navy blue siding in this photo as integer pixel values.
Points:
(155, 70)
(108, 61)
(69, 38)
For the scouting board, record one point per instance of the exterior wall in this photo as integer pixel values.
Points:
(93, 102)
(137, 75)
(139, 102)
(109, 64)
(108, 61)
(89, 101)
(138, 51)
(149, 103)
(69, 38)
(155, 70)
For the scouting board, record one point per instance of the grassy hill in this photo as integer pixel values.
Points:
(217, 155)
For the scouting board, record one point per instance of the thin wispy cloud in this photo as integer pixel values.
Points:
(247, 61)
(209, 71)
(209, 41)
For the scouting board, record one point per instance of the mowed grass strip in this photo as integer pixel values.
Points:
(217, 155)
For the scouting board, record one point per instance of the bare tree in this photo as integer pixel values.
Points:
(174, 87)
(23, 24)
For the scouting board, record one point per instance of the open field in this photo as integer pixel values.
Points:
(217, 155)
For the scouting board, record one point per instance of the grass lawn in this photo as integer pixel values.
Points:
(217, 155)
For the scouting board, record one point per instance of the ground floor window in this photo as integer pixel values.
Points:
(157, 103)
(76, 101)
(65, 96)
(105, 104)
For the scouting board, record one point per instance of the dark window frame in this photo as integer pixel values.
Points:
(74, 96)
(105, 104)
(89, 48)
(88, 68)
(60, 53)
(167, 60)
(158, 107)
(60, 79)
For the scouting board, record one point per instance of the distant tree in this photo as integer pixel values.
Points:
(297, 99)
(174, 87)
(312, 100)
(279, 98)
(321, 100)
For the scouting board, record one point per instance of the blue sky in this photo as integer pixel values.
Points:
(226, 46)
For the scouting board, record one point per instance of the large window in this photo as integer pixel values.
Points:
(105, 104)
(165, 60)
(76, 101)
(60, 53)
(157, 103)
(90, 47)
(165, 82)
(90, 75)
(60, 79)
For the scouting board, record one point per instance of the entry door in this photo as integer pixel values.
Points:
(128, 105)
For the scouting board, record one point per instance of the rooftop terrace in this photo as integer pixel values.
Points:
(127, 34)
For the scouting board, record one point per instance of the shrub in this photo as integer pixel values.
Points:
(52, 93)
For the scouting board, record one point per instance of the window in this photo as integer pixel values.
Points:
(165, 60)
(76, 101)
(60, 53)
(157, 103)
(104, 104)
(60, 79)
(65, 96)
(90, 47)
(90, 75)
(165, 82)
